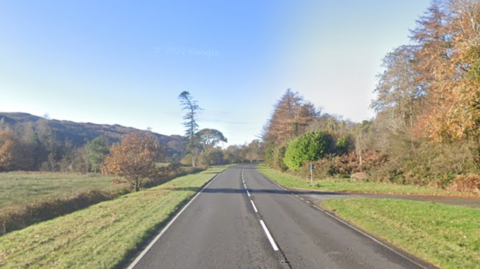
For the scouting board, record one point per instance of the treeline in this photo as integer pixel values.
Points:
(426, 130)
(34, 146)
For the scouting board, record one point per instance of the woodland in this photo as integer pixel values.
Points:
(427, 103)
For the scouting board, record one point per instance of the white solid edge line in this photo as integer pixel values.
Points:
(352, 227)
(139, 257)
(375, 240)
(254, 207)
(269, 236)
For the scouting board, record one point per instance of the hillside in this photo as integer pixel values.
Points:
(79, 133)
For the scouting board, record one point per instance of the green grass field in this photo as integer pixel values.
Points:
(103, 235)
(446, 236)
(343, 185)
(19, 188)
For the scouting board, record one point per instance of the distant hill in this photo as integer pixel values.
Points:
(79, 133)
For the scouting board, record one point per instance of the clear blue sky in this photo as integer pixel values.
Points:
(126, 62)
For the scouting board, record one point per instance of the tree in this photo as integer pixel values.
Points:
(400, 90)
(289, 119)
(209, 138)
(8, 146)
(213, 156)
(96, 151)
(232, 154)
(253, 151)
(134, 158)
(450, 53)
(307, 148)
(190, 123)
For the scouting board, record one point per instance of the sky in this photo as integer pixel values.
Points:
(126, 62)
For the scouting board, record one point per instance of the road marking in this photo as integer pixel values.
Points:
(296, 195)
(270, 238)
(135, 262)
(254, 207)
(308, 202)
(245, 186)
(319, 208)
(374, 239)
(302, 199)
(248, 193)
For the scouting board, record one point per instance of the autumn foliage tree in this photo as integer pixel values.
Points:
(134, 158)
(449, 57)
(289, 119)
(8, 146)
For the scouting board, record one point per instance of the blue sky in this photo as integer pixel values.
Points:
(126, 62)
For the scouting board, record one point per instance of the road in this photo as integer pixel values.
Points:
(242, 220)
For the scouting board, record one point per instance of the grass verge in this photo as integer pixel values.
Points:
(103, 235)
(446, 236)
(291, 181)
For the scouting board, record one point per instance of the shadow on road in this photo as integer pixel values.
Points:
(258, 191)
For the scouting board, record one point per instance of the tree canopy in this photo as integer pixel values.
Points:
(134, 158)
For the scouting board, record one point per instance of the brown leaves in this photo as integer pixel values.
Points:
(445, 66)
(289, 119)
(134, 158)
(7, 150)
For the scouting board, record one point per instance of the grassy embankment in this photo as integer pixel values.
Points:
(20, 188)
(444, 235)
(103, 235)
(345, 185)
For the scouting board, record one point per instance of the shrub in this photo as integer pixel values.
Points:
(462, 183)
(308, 147)
(278, 158)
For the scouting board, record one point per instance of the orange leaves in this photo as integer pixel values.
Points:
(134, 158)
(7, 150)
(449, 59)
(289, 119)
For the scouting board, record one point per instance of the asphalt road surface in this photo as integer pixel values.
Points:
(242, 220)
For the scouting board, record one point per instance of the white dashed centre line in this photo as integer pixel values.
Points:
(254, 207)
(270, 238)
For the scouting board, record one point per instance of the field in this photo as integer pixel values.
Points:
(446, 236)
(19, 188)
(102, 235)
(344, 185)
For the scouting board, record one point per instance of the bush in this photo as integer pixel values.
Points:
(463, 183)
(278, 158)
(431, 164)
(308, 147)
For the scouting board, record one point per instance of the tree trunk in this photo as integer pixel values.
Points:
(137, 185)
